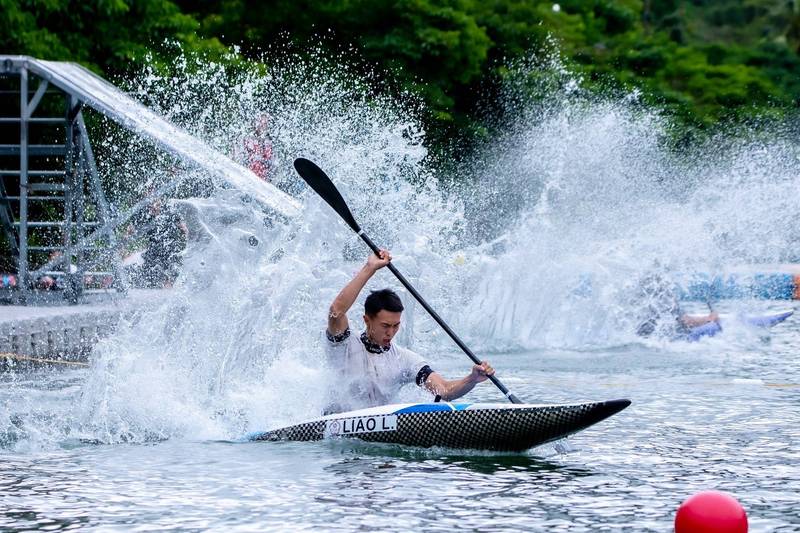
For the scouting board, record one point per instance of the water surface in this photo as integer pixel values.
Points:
(721, 414)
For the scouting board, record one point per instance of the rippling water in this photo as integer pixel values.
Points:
(721, 414)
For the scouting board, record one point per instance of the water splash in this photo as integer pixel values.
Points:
(541, 245)
(237, 345)
(584, 195)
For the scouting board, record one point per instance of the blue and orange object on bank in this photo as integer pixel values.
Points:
(764, 286)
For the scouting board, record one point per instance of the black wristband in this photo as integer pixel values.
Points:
(337, 338)
(423, 374)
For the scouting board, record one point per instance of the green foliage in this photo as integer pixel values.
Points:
(111, 36)
(703, 60)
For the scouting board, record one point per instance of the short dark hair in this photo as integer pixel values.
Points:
(377, 301)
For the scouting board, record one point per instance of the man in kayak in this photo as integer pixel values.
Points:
(373, 369)
(662, 310)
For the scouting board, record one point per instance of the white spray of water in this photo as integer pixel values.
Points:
(564, 210)
(584, 196)
(236, 345)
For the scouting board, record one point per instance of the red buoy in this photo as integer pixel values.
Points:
(711, 512)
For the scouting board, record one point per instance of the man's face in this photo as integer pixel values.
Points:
(382, 327)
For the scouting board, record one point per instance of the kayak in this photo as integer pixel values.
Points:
(496, 427)
(712, 328)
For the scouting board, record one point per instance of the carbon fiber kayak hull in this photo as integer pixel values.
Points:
(498, 427)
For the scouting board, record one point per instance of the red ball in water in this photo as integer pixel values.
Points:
(711, 512)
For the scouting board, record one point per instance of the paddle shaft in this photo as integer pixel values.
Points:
(512, 398)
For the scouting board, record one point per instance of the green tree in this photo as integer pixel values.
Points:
(705, 61)
(108, 36)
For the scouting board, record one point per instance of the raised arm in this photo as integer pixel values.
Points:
(337, 314)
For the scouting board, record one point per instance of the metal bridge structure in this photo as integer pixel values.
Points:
(61, 178)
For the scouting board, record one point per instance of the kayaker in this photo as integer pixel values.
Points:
(661, 309)
(372, 367)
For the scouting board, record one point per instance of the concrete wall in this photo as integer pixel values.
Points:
(69, 336)
(66, 332)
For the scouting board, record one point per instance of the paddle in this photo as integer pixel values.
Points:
(322, 184)
(708, 303)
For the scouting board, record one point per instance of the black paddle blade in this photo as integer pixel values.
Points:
(322, 184)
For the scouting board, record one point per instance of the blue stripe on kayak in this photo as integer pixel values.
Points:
(431, 408)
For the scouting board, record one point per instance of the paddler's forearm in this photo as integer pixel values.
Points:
(347, 297)
(452, 389)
